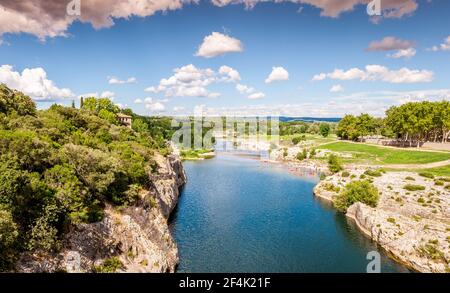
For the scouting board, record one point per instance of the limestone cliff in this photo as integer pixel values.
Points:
(412, 226)
(137, 236)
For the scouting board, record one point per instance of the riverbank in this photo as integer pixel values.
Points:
(413, 226)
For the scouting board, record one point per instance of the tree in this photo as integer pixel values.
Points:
(357, 191)
(14, 101)
(346, 128)
(334, 163)
(325, 129)
(140, 126)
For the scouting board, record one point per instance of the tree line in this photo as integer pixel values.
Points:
(411, 123)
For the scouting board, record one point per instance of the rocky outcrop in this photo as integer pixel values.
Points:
(412, 226)
(136, 237)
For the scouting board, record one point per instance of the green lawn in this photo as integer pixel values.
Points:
(439, 172)
(382, 155)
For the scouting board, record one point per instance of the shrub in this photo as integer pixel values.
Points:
(322, 176)
(391, 220)
(296, 140)
(373, 173)
(312, 153)
(439, 183)
(331, 187)
(426, 175)
(357, 191)
(285, 152)
(109, 265)
(345, 174)
(409, 178)
(302, 155)
(411, 187)
(421, 200)
(334, 164)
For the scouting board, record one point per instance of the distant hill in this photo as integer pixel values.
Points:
(309, 119)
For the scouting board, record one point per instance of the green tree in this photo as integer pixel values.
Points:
(334, 163)
(325, 129)
(357, 191)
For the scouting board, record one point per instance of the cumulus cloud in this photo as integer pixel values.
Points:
(404, 48)
(190, 81)
(48, 18)
(277, 74)
(33, 82)
(389, 44)
(106, 94)
(257, 96)
(152, 105)
(379, 73)
(337, 88)
(329, 8)
(218, 44)
(114, 80)
(244, 89)
(230, 74)
(251, 92)
(374, 103)
(445, 46)
(407, 53)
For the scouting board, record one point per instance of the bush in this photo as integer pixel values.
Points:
(302, 155)
(373, 173)
(439, 183)
(312, 153)
(426, 175)
(345, 174)
(334, 163)
(109, 265)
(409, 178)
(331, 187)
(411, 187)
(357, 191)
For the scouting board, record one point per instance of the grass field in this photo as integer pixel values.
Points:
(381, 155)
(439, 172)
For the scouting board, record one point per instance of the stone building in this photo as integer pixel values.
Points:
(124, 119)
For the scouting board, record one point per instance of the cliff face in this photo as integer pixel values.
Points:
(413, 226)
(138, 236)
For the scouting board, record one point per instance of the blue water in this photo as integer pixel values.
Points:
(238, 214)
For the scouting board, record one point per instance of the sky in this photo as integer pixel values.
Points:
(316, 58)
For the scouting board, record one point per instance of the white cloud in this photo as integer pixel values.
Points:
(155, 107)
(244, 89)
(218, 44)
(406, 53)
(138, 101)
(445, 46)
(178, 109)
(230, 74)
(379, 73)
(48, 18)
(389, 44)
(190, 81)
(373, 103)
(330, 8)
(114, 80)
(257, 96)
(33, 82)
(337, 88)
(108, 94)
(277, 74)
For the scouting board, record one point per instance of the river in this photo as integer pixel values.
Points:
(238, 214)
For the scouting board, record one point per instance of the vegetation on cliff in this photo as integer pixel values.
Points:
(62, 165)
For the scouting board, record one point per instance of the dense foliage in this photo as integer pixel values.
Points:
(61, 166)
(411, 122)
(357, 191)
(302, 127)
